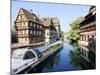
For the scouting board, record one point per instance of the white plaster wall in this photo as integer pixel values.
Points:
(47, 31)
(23, 41)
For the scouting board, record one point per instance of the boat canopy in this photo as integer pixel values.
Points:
(25, 53)
(43, 48)
(29, 53)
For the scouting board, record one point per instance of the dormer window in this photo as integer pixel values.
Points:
(19, 17)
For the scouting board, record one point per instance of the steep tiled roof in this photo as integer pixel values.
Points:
(47, 21)
(55, 20)
(92, 8)
(30, 16)
(91, 13)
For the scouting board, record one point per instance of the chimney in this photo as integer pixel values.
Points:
(31, 11)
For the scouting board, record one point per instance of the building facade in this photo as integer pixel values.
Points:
(88, 34)
(51, 34)
(29, 27)
(56, 23)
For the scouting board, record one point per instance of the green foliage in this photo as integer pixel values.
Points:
(78, 61)
(74, 32)
(75, 58)
(13, 29)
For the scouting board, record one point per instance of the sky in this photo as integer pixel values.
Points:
(66, 13)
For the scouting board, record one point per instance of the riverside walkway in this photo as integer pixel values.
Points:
(17, 45)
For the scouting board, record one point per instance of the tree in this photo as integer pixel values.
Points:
(13, 29)
(74, 32)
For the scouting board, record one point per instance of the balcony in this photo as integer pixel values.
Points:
(89, 24)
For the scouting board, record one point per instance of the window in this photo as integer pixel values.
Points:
(40, 32)
(40, 26)
(34, 31)
(34, 18)
(23, 32)
(22, 24)
(34, 25)
(30, 23)
(37, 26)
(26, 24)
(19, 17)
(30, 31)
(47, 33)
(26, 31)
(29, 55)
(37, 32)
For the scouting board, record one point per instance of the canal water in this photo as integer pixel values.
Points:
(64, 59)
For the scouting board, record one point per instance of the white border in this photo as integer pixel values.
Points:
(86, 2)
(5, 37)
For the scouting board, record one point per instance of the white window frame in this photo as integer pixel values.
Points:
(26, 24)
(23, 32)
(19, 17)
(22, 24)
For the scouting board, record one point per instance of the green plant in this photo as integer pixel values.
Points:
(74, 32)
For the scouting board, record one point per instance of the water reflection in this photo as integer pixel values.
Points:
(65, 59)
(78, 60)
(48, 64)
(55, 60)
